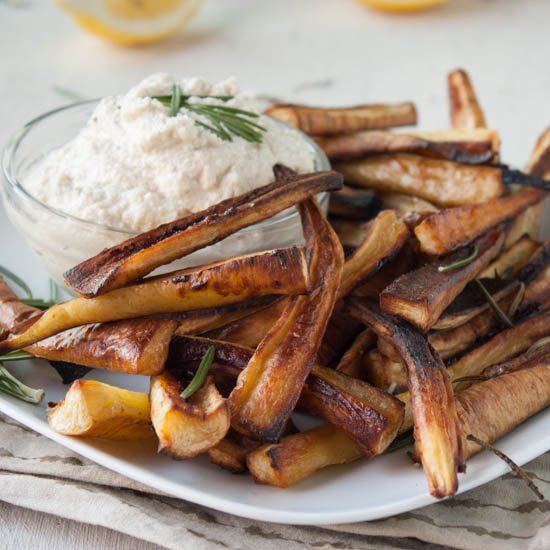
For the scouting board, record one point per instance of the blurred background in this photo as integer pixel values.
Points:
(326, 52)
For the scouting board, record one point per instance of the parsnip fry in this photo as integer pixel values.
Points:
(491, 409)
(330, 121)
(268, 389)
(298, 456)
(539, 162)
(281, 271)
(538, 353)
(421, 296)
(136, 346)
(511, 260)
(385, 373)
(229, 455)
(453, 228)
(187, 427)
(95, 409)
(436, 427)
(350, 363)
(369, 143)
(138, 256)
(442, 182)
(466, 112)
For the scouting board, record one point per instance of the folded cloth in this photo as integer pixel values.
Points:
(39, 474)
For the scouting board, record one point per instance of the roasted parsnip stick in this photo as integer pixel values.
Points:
(511, 260)
(466, 112)
(281, 271)
(421, 296)
(351, 362)
(330, 121)
(15, 316)
(436, 427)
(268, 389)
(442, 182)
(138, 256)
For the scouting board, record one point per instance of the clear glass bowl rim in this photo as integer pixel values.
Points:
(9, 171)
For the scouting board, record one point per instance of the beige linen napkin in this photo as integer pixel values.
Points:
(39, 474)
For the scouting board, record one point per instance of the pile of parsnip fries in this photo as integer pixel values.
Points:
(420, 304)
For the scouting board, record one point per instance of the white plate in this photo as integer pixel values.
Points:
(360, 491)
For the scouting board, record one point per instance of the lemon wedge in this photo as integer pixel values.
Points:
(402, 5)
(130, 22)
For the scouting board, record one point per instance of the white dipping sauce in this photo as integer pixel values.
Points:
(133, 166)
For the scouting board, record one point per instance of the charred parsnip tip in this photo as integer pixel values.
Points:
(436, 428)
(385, 236)
(282, 271)
(466, 113)
(370, 143)
(298, 456)
(95, 409)
(491, 409)
(507, 264)
(187, 427)
(268, 389)
(138, 256)
(453, 228)
(331, 121)
(421, 296)
(136, 346)
(442, 182)
(15, 316)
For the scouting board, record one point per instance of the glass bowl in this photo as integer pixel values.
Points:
(61, 241)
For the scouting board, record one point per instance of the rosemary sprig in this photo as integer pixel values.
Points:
(15, 355)
(14, 387)
(514, 467)
(16, 280)
(492, 302)
(30, 300)
(223, 121)
(200, 376)
(460, 263)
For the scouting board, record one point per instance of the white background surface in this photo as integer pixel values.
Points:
(322, 51)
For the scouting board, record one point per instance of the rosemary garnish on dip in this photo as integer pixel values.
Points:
(200, 376)
(221, 120)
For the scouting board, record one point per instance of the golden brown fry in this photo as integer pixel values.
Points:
(187, 427)
(351, 362)
(539, 351)
(421, 296)
(369, 143)
(298, 456)
(136, 346)
(474, 140)
(268, 389)
(525, 223)
(95, 409)
(511, 260)
(504, 345)
(436, 427)
(373, 418)
(330, 121)
(250, 330)
(138, 256)
(466, 112)
(15, 316)
(442, 182)
(229, 455)
(491, 409)
(384, 238)
(539, 162)
(453, 228)
(221, 283)
(384, 372)
(407, 206)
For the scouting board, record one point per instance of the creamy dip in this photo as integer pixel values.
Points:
(133, 166)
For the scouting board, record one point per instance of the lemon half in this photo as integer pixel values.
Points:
(402, 5)
(131, 22)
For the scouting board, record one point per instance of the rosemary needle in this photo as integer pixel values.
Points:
(200, 376)
(496, 308)
(14, 387)
(460, 263)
